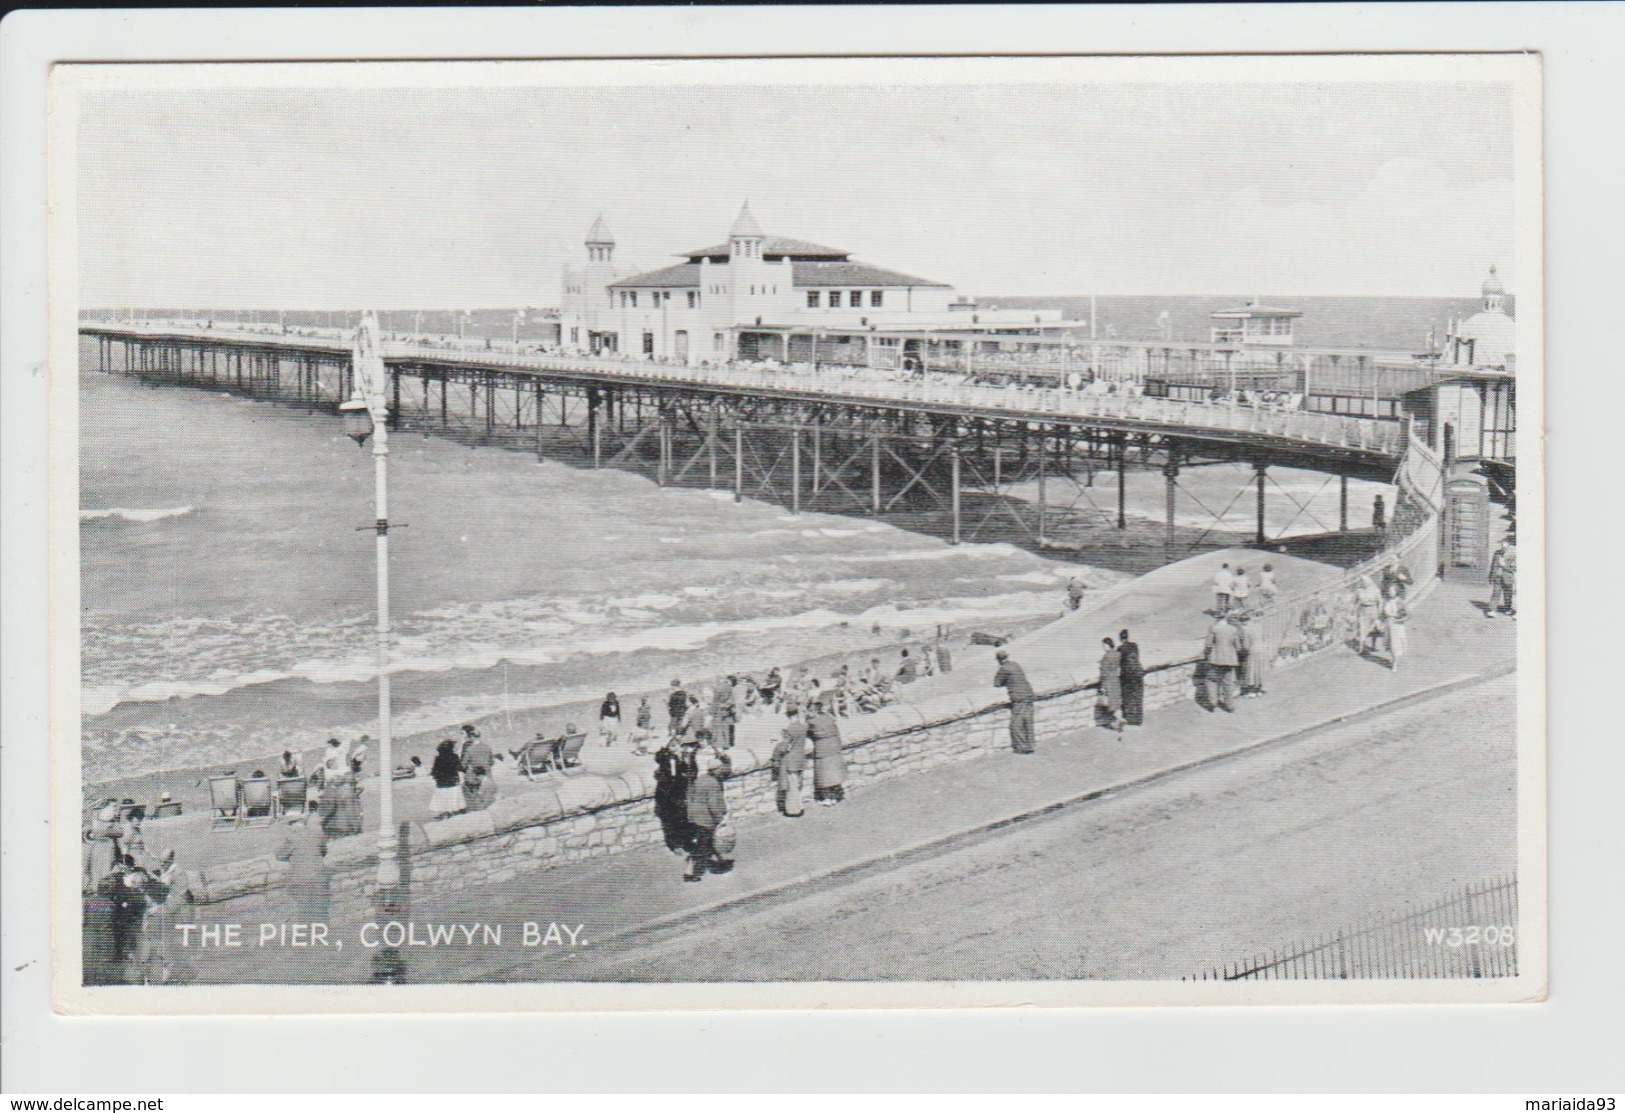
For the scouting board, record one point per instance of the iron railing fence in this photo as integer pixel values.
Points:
(1471, 933)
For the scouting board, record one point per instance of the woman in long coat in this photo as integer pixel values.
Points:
(829, 765)
(1109, 695)
(671, 806)
(789, 765)
(1254, 657)
(447, 772)
(1133, 674)
(609, 718)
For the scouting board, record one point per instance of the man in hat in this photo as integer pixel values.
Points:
(479, 790)
(677, 707)
(1223, 658)
(1013, 679)
(476, 754)
(707, 808)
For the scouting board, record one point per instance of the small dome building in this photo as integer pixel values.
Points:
(1486, 339)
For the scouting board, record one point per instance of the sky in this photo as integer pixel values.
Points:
(461, 197)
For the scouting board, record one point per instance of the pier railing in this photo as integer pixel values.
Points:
(876, 386)
(1295, 627)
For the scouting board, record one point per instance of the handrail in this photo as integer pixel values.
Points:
(1299, 625)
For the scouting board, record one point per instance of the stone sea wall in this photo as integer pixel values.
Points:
(589, 815)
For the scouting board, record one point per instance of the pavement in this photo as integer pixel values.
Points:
(623, 901)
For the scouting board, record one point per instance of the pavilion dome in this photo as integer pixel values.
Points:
(1492, 333)
(599, 234)
(1492, 284)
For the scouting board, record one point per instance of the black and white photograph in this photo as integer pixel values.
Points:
(765, 532)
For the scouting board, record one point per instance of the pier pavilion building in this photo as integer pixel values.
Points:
(1468, 411)
(761, 296)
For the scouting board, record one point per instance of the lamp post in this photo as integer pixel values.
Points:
(367, 414)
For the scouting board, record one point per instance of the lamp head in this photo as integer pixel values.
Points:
(357, 420)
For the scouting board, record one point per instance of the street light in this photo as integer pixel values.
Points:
(366, 414)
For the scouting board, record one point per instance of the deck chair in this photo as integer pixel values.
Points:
(166, 809)
(537, 757)
(292, 794)
(226, 802)
(258, 802)
(570, 749)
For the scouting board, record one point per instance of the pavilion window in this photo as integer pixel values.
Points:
(877, 298)
(813, 299)
(693, 299)
(855, 299)
(835, 299)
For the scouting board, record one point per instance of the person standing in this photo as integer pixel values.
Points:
(1223, 581)
(829, 764)
(1394, 616)
(309, 884)
(789, 764)
(475, 754)
(334, 767)
(1367, 614)
(707, 807)
(1379, 515)
(1240, 589)
(646, 717)
(1074, 594)
(447, 772)
(907, 669)
(609, 718)
(357, 756)
(1503, 580)
(1013, 679)
(1109, 688)
(1222, 655)
(1266, 584)
(1252, 654)
(671, 794)
(723, 713)
(677, 708)
(945, 657)
(1133, 679)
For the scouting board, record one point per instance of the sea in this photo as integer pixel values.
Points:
(228, 581)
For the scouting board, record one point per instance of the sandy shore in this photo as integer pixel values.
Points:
(508, 730)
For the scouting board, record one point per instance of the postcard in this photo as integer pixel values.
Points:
(790, 532)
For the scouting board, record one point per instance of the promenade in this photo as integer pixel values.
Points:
(617, 904)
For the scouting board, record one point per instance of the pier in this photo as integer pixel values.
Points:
(831, 438)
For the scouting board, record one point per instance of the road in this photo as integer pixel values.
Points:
(1160, 882)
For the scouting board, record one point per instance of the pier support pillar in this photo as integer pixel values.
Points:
(541, 404)
(663, 424)
(874, 474)
(817, 456)
(1043, 468)
(954, 475)
(711, 443)
(795, 470)
(1122, 481)
(1170, 475)
(1343, 504)
(739, 463)
(595, 425)
(1258, 479)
